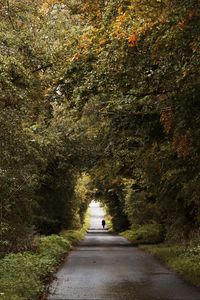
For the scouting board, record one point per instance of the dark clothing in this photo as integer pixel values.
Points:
(103, 223)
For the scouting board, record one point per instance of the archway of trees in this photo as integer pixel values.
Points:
(99, 99)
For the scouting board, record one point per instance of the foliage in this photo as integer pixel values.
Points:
(38, 168)
(144, 234)
(74, 236)
(146, 109)
(83, 194)
(53, 245)
(100, 102)
(24, 274)
(140, 205)
(21, 275)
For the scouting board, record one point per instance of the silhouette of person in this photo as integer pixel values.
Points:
(103, 223)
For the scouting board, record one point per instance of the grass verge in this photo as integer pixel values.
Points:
(184, 260)
(23, 275)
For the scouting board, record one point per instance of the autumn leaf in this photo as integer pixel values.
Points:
(182, 24)
(167, 119)
(182, 145)
(132, 40)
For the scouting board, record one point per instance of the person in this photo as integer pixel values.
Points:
(103, 223)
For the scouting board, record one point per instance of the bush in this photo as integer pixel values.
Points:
(74, 236)
(144, 234)
(140, 206)
(46, 225)
(53, 246)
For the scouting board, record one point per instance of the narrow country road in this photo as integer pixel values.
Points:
(107, 267)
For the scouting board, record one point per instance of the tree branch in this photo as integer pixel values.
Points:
(9, 15)
(42, 68)
(154, 93)
(123, 114)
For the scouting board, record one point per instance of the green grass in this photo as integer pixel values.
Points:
(185, 260)
(23, 275)
(144, 234)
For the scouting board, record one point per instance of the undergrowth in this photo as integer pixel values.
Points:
(144, 234)
(23, 275)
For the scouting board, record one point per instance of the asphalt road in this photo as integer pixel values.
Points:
(107, 267)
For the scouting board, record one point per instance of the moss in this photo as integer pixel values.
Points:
(144, 234)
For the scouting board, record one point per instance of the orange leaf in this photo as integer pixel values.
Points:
(132, 40)
(182, 24)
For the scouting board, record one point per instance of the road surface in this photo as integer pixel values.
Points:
(108, 267)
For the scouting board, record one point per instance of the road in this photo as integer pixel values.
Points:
(108, 267)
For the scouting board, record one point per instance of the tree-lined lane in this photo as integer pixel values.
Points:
(105, 267)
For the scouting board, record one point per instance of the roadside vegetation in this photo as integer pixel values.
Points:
(25, 275)
(181, 256)
(183, 259)
(144, 234)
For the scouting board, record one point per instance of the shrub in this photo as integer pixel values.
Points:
(74, 236)
(144, 234)
(53, 246)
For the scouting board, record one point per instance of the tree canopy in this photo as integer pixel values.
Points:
(99, 99)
